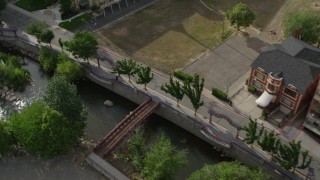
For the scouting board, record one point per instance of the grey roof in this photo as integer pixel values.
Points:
(297, 61)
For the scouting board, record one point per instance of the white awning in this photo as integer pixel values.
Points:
(264, 99)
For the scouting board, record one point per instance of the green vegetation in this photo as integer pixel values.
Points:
(70, 70)
(251, 132)
(241, 15)
(48, 59)
(288, 156)
(75, 22)
(11, 73)
(41, 32)
(62, 97)
(128, 67)
(303, 25)
(220, 94)
(182, 75)
(137, 148)
(144, 76)
(174, 89)
(251, 89)
(194, 92)
(228, 170)
(3, 4)
(269, 143)
(82, 45)
(33, 5)
(41, 130)
(160, 161)
(163, 160)
(6, 138)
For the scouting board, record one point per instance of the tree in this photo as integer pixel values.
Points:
(128, 67)
(174, 89)
(60, 43)
(62, 96)
(83, 45)
(163, 160)
(194, 93)
(228, 170)
(144, 76)
(241, 15)
(47, 36)
(6, 138)
(270, 143)
(42, 130)
(137, 148)
(65, 6)
(303, 25)
(48, 59)
(3, 4)
(37, 30)
(288, 156)
(251, 132)
(70, 70)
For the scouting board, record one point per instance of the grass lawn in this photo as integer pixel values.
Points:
(69, 25)
(33, 5)
(167, 35)
(304, 6)
(264, 9)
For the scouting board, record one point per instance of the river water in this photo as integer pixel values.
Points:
(102, 120)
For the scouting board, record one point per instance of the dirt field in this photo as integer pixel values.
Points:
(171, 33)
(305, 6)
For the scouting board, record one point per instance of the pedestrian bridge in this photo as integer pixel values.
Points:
(127, 125)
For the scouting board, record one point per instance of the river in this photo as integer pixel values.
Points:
(102, 120)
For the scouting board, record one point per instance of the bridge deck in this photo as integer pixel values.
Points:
(125, 127)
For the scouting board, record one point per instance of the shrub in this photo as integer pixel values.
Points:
(70, 70)
(252, 89)
(183, 76)
(220, 94)
(264, 113)
(48, 59)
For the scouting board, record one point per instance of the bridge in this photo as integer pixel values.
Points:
(8, 33)
(127, 125)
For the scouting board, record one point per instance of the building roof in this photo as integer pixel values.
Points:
(297, 61)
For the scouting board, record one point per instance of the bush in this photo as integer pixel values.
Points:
(75, 22)
(220, 94)
(70, 70)
(48, 59)
(11, 73)
(252, 89)
(264, 113)
(182, 75)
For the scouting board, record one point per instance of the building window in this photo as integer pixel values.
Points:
(290, 92)
(287, 102)
(271, 87)
(259, 75)
(257, 84)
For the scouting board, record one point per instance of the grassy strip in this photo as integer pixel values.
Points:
(33, 5)
(75, 22)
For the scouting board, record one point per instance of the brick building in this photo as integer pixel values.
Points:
(286, 75)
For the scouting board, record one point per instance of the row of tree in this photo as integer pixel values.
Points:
(48, 126)
(174, 88)
(287, 155)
